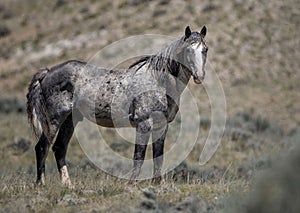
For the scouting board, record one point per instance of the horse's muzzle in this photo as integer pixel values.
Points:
(197, 81)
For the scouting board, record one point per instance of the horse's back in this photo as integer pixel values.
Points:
(61, 74)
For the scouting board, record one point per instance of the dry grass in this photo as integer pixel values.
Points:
(188, 187)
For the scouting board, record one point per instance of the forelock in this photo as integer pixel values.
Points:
(194, 37)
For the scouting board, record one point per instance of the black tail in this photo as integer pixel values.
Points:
(36, 106)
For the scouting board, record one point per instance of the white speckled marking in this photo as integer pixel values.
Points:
(65, 179)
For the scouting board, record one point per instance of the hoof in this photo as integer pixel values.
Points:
(41, 181)
(156, 180)
(132, 182)
(65, 179)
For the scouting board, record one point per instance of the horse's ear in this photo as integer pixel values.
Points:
(188, 32)
(203, 31)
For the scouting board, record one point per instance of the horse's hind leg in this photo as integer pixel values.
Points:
(60, 149)
(158, 137)
(41, 151)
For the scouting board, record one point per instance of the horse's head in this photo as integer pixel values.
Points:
(195, 52)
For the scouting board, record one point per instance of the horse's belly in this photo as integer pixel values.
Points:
(111, 123)
(106, 115)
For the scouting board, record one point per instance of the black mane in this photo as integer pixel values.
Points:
(166, 60)
(142, 59)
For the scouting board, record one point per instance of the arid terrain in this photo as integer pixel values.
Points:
(253, 48)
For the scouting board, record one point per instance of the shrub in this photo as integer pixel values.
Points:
(8, 105)
(4, 30)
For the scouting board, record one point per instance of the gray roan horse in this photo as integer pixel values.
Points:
(148, 92)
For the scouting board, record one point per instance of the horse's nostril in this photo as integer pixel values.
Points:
(204, 50)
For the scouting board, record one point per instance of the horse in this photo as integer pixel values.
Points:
(150, 88)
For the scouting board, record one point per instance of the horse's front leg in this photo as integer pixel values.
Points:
(158, 140)
(143, 131)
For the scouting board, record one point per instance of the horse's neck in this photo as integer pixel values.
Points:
(171, 62)
(182, 74)
(182, 79)
(179, 76)
(175, 85)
